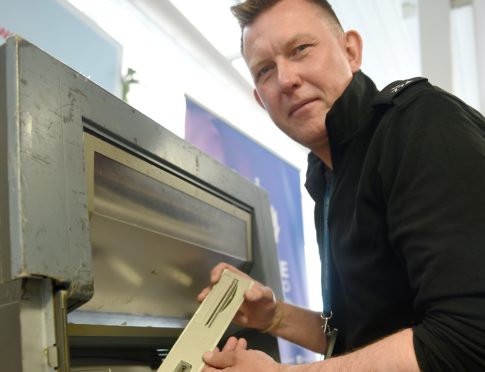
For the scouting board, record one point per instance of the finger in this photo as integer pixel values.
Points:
(268, 294)
(208, 369)
(240, 318)
(219, 360)
(207, 356)
(216, 272)
(258, 292)
(203, 294)
(242, 344)
(231, 344)
(234, 343)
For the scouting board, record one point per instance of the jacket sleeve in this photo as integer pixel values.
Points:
(433, 175)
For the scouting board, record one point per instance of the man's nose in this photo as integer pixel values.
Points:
(288, 76)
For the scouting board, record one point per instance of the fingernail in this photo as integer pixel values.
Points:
(208, 355)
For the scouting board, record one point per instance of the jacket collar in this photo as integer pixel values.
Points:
(348, 116)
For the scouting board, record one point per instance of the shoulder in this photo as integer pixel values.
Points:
(422, 122)
(416, 105)
(416, 96)
(388, 95)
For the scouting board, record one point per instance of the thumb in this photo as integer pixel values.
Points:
(217, 359)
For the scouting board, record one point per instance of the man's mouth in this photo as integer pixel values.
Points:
(298, 106)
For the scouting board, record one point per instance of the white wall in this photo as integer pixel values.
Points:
(58, 28)
(171, 60)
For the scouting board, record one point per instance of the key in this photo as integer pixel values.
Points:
(331, 338)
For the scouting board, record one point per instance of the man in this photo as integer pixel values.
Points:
(398, 178)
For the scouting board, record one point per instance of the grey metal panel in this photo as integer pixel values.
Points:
(48, 218)
(4, 209)
(154, 236)
(27, 341)
(149, 274)
(268, 269)
(117, 121)
(111, 118)
(132, 198)
(45, 144)
(45, 108)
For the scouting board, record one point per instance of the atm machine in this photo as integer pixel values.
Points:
(109, 225)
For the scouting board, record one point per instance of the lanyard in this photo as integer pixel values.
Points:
(330, 333)
(327, 304)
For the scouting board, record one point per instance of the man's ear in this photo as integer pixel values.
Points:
(353, 47)
(258, 99)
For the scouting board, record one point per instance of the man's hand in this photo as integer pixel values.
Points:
(259, 306)
(239, 360)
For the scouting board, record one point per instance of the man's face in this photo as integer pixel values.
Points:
(300, 66)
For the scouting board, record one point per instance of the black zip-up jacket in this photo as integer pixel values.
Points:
(406, 220)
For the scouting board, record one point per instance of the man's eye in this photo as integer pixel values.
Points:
(300, 48)
(263, 71)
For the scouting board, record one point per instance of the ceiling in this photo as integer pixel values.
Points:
(389, 28)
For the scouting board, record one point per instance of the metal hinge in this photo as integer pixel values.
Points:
(52, 357)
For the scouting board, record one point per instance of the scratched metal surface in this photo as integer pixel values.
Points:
(44, 217)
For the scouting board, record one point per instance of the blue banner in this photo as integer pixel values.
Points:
(282, 182)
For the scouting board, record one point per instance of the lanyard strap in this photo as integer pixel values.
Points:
(327, 304)
(330, 332)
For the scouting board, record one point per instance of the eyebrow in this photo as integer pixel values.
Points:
(299, 36)
(256, 66)
(288, 45)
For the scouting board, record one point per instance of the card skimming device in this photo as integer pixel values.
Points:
(207, 325)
